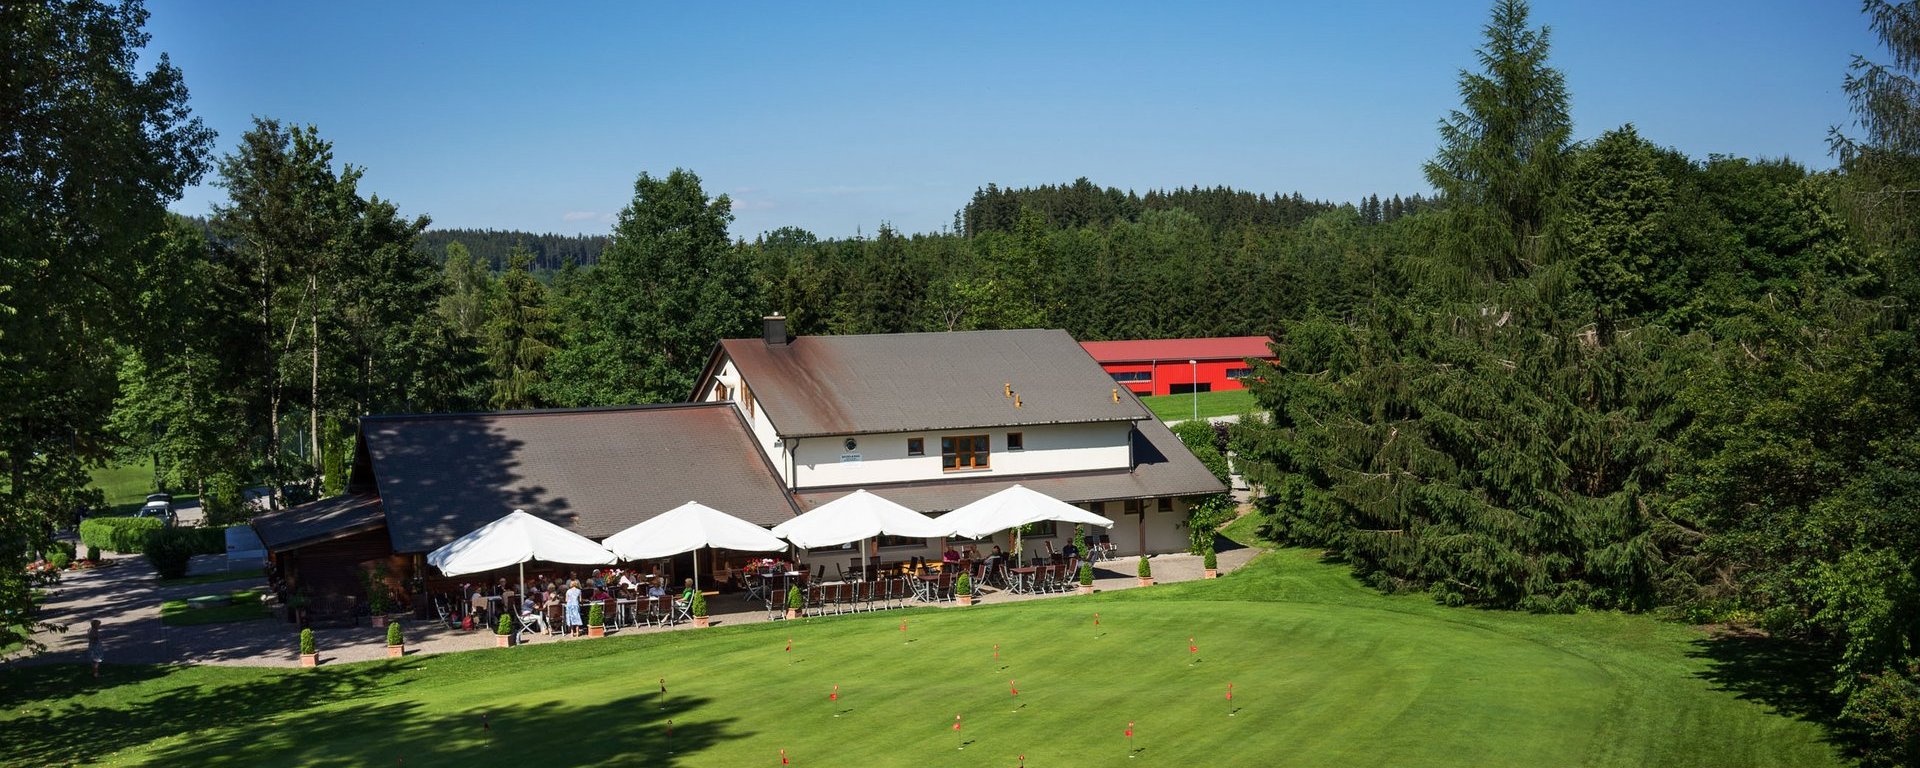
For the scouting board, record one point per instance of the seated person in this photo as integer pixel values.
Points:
(478, 606)
(686, 594)
(1069, 551)
(600, 593)
(627, 582)
(655, 590)
(950, 556)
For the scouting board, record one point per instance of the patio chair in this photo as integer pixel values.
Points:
(528, 624)
(446, 616)
(611, 609)
(677, 610)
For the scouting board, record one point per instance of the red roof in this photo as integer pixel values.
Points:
(1145, 350)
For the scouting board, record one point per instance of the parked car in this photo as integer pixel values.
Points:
(158, 509)
(166, 497)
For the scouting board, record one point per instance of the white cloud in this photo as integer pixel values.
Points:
(580, 216)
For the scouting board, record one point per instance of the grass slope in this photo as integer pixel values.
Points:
(1325, 672)
(1226, 402)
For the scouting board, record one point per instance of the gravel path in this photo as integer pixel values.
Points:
(126, 598)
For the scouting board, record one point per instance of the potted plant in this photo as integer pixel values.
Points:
(379, 598)
(699, 609)
(396, 647)
(1146, 572)
(309, 655)
(503, 634)
(1086, 578)
(963, 588)
(596, 621)
(794, 602)
(297, 607)
(1211, 564)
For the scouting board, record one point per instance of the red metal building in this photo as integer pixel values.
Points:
(1179, 366)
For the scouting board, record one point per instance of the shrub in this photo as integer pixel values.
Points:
(505, 627)
(963, 586)
(1086, 574)
(1146, 568)
(60, 561)
(794, 600)
(66, 548)
(1080, 540)
(1208, 561)
(1204, 518)
(393, 633)
(306, 642)
(117, 534)
(699, 604)
(170, 550)
(93, 554)
(596, 615)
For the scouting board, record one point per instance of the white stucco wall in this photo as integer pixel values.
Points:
(882, 458)
(763, 434)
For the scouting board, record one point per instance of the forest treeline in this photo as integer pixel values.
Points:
(494, 247)
(1585, 374)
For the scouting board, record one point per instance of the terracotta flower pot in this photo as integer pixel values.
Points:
(966, 599)
(396, 651)
(1212, 573)
(502, 641)
(309, 659)
(700, 622)
(1086, 589)
(1146, 581)
(600, 631)
(792, 614)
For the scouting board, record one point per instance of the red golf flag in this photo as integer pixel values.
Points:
(669, 727)
(1129, 729)
(789, 645)
(1014, 688)
(783, 757)
(1096, 619)
(956, 722)
(996, 650)
(1191, 648)
(835, 696)
(1229, 691)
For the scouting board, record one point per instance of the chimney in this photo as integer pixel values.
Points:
(776, 330)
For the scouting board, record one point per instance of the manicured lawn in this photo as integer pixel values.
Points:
(246, 606)
(127, 486)
(1227, 402)
(1325, 672)
(126, 483)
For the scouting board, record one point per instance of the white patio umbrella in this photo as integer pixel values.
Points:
(857, 516)
(1013, 508)
(515, 539)
(687, 528)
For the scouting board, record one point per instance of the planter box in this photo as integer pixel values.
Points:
(1212, 573)
(700, 622)
(1146, 581)
(501, 641)
(792, 614)
(600, 631)
(1086, 589)
(309, 659)
(396, 651)
(966, 599)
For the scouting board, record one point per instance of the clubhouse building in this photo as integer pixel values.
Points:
(775, 426)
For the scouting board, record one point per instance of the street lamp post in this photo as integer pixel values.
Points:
(1195, 365)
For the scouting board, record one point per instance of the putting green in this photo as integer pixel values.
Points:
(1323, 673)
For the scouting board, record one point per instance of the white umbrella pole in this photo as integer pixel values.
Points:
(864, 545)
(696, 569)
(523, 589)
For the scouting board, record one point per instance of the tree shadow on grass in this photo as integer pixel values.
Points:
(1792, 678)
(56, 719)
(285, 719)
(631, 730)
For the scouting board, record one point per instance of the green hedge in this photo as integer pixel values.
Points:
(118, 534)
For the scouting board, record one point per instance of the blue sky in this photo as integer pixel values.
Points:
(838, 117)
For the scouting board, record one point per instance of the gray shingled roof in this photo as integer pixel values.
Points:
(316, 521)
(593, 471)
(835, 385)
(1162, 467)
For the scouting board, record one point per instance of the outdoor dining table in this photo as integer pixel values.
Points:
(1022, 579)
(923, 586)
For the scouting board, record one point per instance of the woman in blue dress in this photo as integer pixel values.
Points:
(573, 607)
